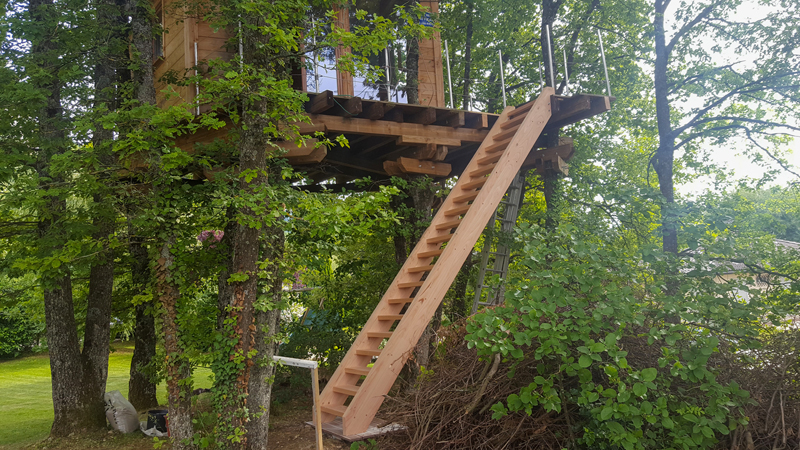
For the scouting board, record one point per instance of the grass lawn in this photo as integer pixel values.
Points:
(26, 408)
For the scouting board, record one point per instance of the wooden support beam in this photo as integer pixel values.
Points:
(410, 165)
(441, 153)
(316, 155)
(551, 158)
(320, 103)
(577, 108)
(393, 114)
(426, 140)
(374, 111)
(451, 118)
(295, 151)
(347, 108)
(479, 122)
(392, 168)
(425, 117)
(385, 128)
(432, 152)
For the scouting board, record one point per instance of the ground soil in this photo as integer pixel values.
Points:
(288, 431)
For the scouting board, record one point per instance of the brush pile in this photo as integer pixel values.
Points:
(448, 406)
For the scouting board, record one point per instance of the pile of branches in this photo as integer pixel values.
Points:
(448, 407)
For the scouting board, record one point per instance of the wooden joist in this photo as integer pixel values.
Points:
(316, 155)
(569, 110)
(350, 107)
(320, 103)
(416, 166)
(356, 125)
(426, 140)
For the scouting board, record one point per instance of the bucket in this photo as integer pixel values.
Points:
(157, 418)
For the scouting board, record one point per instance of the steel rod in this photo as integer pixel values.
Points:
(388, 77)
(449, 79)
(502, 76)
(566, 72)
(314, 54)
(605, 67)
(550, 58)
(197, 84)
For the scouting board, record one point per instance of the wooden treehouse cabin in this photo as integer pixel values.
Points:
(485, 151)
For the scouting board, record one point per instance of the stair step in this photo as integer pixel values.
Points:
(457, 211)
(399, 301)
(347, 390)
(389, 318)
(499, 146)
(512, 122)
(505, 135)
(379, 334)
(335, 410)
(439, 239)
(363, 352)
(466, 197)
(475, 183)
(448, 225)
(363, 371)
(430, 254)
(410, 284)
(490, 159)
(520, 110)
(420, 269)
(482, 171)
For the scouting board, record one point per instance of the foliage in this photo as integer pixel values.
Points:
(581, 315)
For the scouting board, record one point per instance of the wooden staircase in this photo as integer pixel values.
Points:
(405, 310)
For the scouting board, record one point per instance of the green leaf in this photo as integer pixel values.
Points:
(639, 389)
(585, 361)
(649, 374)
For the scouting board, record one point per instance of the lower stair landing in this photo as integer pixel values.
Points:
(378, 427)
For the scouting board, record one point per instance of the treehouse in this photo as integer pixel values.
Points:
(393, 138)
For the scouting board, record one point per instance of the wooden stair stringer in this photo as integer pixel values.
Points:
(367, 400)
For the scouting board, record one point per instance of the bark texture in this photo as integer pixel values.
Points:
(141, 389)
(467, 58)
(412, 74)
(179, 392)
(267, 324)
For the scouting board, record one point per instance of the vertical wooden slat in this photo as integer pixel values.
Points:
(344, 79)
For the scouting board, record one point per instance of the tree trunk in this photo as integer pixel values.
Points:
(141, 389)
(267, 324)
(70, 409)
(663, 160)
(412, 74)
(467, 59)
(179, 392)
(458, 308)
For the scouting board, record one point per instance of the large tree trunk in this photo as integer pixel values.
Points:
(70, 408)
(179, 392)
(267, 324)
(141, 388)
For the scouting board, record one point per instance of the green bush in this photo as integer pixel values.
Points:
(17, 333)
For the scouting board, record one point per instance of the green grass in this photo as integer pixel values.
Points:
(26, 408)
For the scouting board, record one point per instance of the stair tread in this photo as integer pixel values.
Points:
(392, 317)
(379, 334)
(368, 352)
(430, 254)
(439, 239)
(490, 158)
(482, 171)
(457, 211)
(475, 183)
(520, 110)
(410, 284)
(363, 371)
(505, 134)
(449, 224)
(418, 269)
(466, 197)
(512, 122)
(400, 301)
(499, 146)
(334, 409)
(349, 390)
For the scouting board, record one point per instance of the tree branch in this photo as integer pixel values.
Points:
(688, 27)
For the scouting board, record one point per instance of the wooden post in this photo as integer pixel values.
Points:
(313, 366)
(344, 80)
(317, 406)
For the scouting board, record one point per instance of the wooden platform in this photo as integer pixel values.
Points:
(392, 139)
(377, 428)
